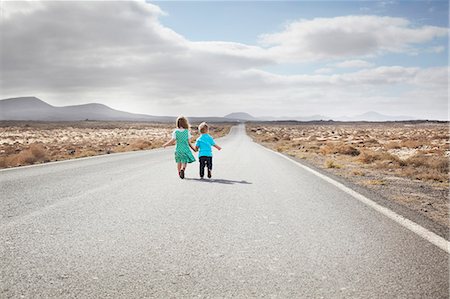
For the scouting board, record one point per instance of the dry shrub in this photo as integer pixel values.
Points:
(140, 144)
(371, 141)
(392, 145)
(358, 172)
(332, 164)
(375, 182)
(281, 148)
(439, 164)
(369, 156)
(344, 149)
(417, 160)
(271, 139)
(422, 167)
(311, 147)
(38, 151)
(412, 143)
(286, 137)
(35, 153)
(3, 162)
(431, 175)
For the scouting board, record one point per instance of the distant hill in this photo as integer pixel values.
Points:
(34, 109)
(368, 116)
(295, 118)
(240, 116)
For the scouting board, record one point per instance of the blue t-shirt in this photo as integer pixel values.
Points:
(204, 143)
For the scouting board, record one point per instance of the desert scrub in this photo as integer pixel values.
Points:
(358, 173)
(424, 167)
(332, 164)
(35, 153)
(344, 149)
(370, 156)
(140, 144)
(69, 140)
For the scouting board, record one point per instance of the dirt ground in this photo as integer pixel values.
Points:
(25, 143)
(406, 162)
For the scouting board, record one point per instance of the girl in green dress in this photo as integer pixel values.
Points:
(181, 137)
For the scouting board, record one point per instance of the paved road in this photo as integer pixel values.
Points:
(126, 226)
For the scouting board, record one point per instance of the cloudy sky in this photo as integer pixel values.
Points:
(211, 58)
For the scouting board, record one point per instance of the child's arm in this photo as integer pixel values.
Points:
(170, 142)
(218, 147)
(192, 147)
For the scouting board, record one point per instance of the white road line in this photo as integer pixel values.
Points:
(412, 226)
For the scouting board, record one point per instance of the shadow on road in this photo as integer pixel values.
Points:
(220, 181)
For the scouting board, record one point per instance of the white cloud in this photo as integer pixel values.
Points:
(348, 36)
(120, 54)
(19, 9)
(437, 49)
(354, 64)
(324, 70)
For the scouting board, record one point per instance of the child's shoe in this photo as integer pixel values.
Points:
(182, 173)
(209, 173)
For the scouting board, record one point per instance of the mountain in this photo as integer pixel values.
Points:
(295, 118)
(34, 109)
(240, 116)
(368, 116)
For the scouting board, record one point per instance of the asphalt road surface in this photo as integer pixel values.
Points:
(125, 226)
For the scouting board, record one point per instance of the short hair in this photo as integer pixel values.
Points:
(203, 127)
(182, 122)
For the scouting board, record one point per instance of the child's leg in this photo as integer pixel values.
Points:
(202, 163)
(181, 168)
(209, 166)
(209, 163)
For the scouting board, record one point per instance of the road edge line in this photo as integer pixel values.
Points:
(405, 222)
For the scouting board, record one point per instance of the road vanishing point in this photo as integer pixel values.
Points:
(126, 226)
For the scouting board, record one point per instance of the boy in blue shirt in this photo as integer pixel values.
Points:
(203, 145)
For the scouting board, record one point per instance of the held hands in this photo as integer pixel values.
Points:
(194, 148)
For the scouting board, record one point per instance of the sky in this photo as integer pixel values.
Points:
(211, 58)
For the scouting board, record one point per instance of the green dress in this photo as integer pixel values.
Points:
(183, 152)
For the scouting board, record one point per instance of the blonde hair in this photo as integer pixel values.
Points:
(203, 127)
(182, 122)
